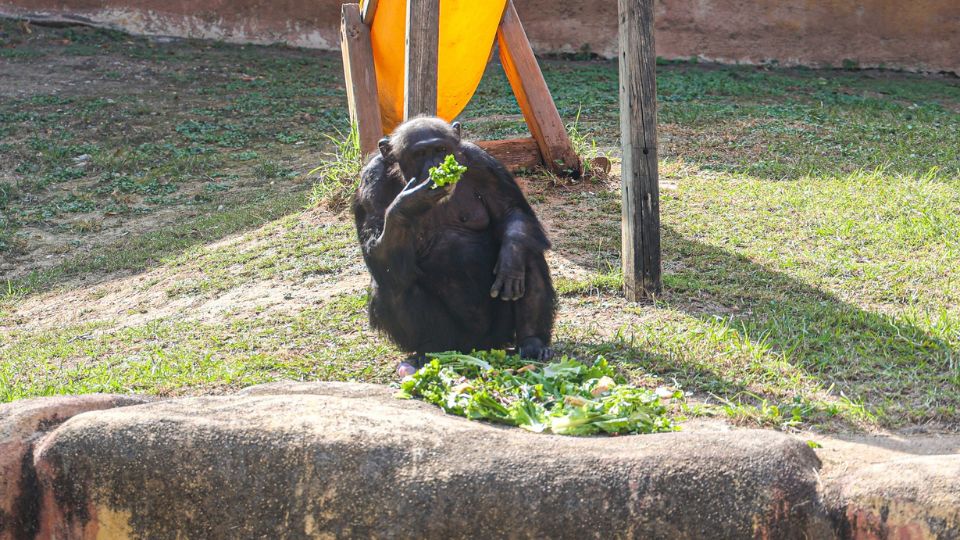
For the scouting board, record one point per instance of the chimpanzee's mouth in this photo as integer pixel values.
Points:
(438, 160)
(431, 163)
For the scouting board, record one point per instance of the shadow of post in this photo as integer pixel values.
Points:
(893, 367)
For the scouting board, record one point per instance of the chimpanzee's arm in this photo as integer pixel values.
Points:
(521, 235)
(386, 237)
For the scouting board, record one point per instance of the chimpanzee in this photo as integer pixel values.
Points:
(453, 268)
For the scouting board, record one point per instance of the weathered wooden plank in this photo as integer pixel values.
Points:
(533, 95)
(423, 34)
(360, 77)
(368, 11)
(638, 125)
(515, 154)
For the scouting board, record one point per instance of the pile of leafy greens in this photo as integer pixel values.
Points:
(564, 397)
(447, 173)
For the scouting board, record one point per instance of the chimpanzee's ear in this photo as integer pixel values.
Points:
(457, 128)
(384, 145)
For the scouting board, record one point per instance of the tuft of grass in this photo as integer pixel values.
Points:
(268, 170)
(339, 176)
(753, 410)
(595, 284)
(586, 147)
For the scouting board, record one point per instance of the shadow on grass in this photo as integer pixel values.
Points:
(817, 330)
(783, 339)
(143, 252)
(897, 368)
(694, 376)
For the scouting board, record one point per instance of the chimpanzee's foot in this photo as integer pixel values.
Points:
(405, 370)
(411, 365)
(417, 360)
(533, 348)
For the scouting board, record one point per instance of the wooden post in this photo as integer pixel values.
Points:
(638, 123)
(534, 97)
(361, 78)
(423, 35)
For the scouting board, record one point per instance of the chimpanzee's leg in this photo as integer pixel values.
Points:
(535, 311)
(413, 319)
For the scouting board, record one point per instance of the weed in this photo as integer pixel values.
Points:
(586, 148)
(339, 176)
(269, 170)
(6, 194)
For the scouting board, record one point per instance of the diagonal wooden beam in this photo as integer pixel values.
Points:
(368, 11)
(360, 77)
(515, 154)
(534, 97)
(420, 59)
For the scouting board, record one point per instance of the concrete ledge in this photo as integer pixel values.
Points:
(319, 460)
(335, 460)
(916, 497)
(22, 424)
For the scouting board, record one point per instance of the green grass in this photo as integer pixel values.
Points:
(810, 231)
(809, 245)
(836, 292)
(770, 124)
(167, 357)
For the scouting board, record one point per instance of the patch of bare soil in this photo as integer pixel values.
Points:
(133, 299)
(78, 75)
(46, 245)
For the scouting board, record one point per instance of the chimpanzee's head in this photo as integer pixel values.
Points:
(421, 143)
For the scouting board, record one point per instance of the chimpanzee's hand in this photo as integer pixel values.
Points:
(509, 284)
(417, 197)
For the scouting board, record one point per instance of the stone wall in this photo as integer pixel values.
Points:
(922, 35)
(344, 460)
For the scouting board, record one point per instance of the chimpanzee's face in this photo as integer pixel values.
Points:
(417, 160)
(420, 144)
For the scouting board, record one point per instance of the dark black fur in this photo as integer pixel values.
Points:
(456, 268)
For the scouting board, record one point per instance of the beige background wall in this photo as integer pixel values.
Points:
(916, 34)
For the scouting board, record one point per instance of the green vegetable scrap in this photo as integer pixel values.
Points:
(565, 397)
(447, 173)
